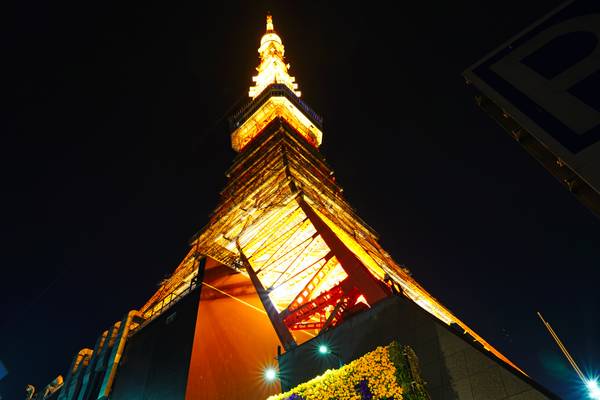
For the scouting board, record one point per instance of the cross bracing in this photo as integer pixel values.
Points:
(282, 220)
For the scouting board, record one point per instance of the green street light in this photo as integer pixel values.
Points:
(325, 350)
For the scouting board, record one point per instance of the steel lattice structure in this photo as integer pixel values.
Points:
(282, 220)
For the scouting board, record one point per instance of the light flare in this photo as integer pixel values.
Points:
(270, 374)
(593, 388)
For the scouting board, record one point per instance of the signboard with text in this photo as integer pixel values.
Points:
(547, 79)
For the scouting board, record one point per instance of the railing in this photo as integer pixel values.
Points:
(164, 304)
(275, 89)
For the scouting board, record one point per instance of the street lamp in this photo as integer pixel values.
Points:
(270, 374)
(325, 350)
(591, 384)
(593, 389)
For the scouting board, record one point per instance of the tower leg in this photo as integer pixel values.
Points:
(285, 337)
(360, 276)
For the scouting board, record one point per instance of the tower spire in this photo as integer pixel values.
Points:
(272, 67)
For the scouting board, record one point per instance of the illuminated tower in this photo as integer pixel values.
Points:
(283, 222)
(282, 261)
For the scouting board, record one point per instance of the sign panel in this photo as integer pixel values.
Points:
(547, 79)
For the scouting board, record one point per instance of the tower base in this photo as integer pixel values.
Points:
(452, 365)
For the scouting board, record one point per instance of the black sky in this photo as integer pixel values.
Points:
(115, 145)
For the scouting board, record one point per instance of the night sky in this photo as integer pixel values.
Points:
(115, 145)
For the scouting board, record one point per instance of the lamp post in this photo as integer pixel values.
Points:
(591, 384)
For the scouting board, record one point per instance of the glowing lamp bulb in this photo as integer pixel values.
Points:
(593, 389)
(323, 349)
(270, 374)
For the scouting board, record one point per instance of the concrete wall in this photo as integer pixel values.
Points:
(156, 359)
(452, 366)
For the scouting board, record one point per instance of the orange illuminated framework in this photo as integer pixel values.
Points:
(274, 95)
(282, 221)
(272, 67)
